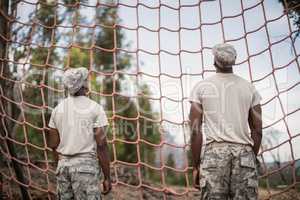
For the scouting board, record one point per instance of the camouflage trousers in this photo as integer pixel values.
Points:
(228, 171)
(78, 177)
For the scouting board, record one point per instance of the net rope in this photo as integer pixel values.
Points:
(30, 167)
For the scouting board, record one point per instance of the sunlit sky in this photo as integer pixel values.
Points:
(193, 63)
(185, 32)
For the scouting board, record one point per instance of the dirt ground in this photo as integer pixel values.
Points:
(10, 190)
(126, 193)
(122, 193)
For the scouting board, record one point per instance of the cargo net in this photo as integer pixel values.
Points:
(143, 59)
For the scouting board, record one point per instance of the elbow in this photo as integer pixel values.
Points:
(52, 145)
(196, 135)
(196, 128)
(52, 139)
(257, 132)
(102, 147)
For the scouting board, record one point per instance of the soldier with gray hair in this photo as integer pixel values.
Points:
(77, 134)
(224, 107)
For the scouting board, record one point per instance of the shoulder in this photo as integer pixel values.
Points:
(211, 78)
(208, 83)
(243, 81)
(202, 88)
(60, 106)
(246, 85)
(93, 102)
(96, 106)
(204, 83)
(239, 78)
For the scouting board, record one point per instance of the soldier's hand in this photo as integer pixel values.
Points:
(196, 176)
(106, 187)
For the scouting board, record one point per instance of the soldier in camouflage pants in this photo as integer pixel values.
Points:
(228, 168)
(227, 109)
(77, 134)
(78, 177)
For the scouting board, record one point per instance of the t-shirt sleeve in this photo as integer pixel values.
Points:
(256, 98)
(51, 123)
(195, 95)
(101, 119)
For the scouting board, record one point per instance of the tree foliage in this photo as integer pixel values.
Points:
(132, 117)
(293, 9)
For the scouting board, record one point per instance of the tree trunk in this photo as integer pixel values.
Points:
(6, 88)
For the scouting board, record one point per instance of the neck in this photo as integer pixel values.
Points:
(81, 92)
(226, 70)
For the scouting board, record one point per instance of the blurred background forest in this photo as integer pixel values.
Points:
(33, 86)
(41, 89)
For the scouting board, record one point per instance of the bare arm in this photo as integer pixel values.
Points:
(52, 139)
(102, 151)
(196, 116)
(255, 124)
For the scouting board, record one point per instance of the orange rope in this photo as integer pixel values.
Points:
(29, 43)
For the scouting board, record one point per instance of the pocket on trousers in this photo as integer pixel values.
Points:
(209, 165)
(210, 161)
(87, 169)
(247, 160)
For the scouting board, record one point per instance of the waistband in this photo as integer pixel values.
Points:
(222, 144)
(77, 155)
